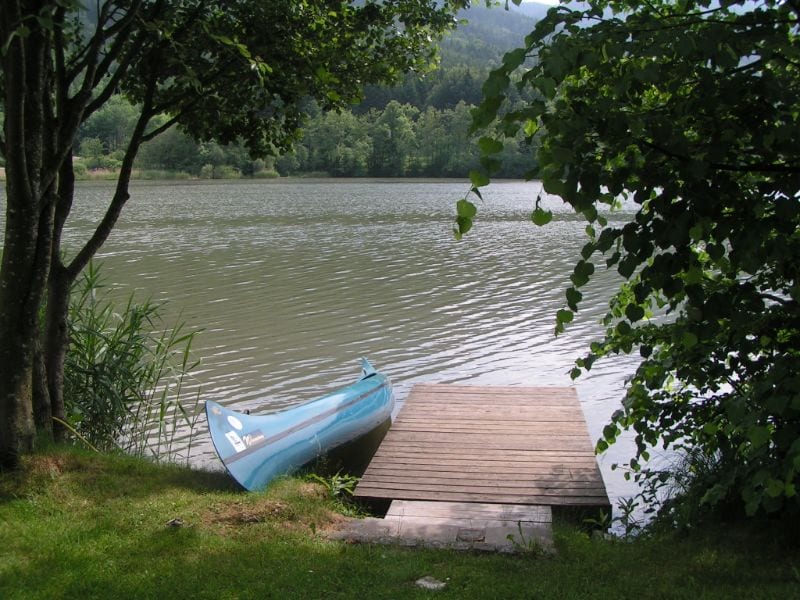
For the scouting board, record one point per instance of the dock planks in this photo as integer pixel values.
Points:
(503, 445)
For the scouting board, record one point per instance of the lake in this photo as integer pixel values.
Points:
(293, 281)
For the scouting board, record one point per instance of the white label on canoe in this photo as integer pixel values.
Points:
(235, 423)
(235, 441)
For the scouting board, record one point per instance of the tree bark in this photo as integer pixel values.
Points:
(56, 342)
(28, 233)
(42, 413)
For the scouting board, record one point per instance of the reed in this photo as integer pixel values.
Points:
(127, 375)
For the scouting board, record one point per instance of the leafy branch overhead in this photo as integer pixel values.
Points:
(242, 70)
(688, 112)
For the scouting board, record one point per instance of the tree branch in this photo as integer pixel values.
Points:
(121, 192)
(777, 299)
(162, 128)
(749, 168)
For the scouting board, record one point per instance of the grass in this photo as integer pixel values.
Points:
(79, 525)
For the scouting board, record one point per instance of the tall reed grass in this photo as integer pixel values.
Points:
(127, 376)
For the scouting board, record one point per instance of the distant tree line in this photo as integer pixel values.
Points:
(425, 137)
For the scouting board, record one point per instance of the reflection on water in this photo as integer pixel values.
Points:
(293, 281)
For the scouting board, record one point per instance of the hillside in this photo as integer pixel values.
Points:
(467, 55)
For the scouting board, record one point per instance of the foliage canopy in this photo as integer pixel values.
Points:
(226, 70)
(690, 111)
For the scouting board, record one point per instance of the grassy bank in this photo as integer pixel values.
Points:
(75, 525)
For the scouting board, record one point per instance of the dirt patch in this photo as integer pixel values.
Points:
(240, 513)
(335, 522)
(312, 490)
(46, 464)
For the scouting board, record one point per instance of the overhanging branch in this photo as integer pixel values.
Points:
(744, 168)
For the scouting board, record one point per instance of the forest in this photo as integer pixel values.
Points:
(418, 128)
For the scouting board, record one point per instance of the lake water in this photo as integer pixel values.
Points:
(293, 281)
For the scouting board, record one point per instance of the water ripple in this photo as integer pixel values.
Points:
(292, 282)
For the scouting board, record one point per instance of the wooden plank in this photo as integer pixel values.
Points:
(450, 389)
(494, 497)
(405, 434)
(499, 445)
(453, 480)
(564, 456)
(497, 453)
(488, 491)
(484, 474)
(504, 442)
(472, 420)
(473, 469)
(518, 429)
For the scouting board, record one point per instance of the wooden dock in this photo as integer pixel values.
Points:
(496, 445)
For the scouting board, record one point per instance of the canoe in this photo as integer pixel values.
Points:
(257, 448)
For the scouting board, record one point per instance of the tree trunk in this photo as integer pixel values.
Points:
(56, 342)
(17, 330)
(27, 249)
(42, 413)
(26, 256)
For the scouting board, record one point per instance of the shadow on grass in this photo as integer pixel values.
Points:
(99, 477)
(262, 562)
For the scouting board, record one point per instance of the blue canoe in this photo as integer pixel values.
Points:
(256, 449)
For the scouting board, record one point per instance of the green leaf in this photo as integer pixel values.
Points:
(490, 165)
(463, 225)
(478, 178)
(554, 185)
(583, 270)
(561, 154)
(466, 209)
(546, 85)
(496, 83)
(610, 432)
(627, 266)
(693, 276)
(606, 239)
(564, 316)
(541, 217)
(634, 312)
(775, 488)
(573, 298)
(484, 114)
(515, 58)
(758, 435)
(689, 339)
(489, 145)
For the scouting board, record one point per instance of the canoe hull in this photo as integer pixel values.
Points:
(258, 448)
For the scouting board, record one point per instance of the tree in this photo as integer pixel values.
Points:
(688, 111)
(393, 140)
(172, 150)
(338, 144)
(224, 70)
(112, 123)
